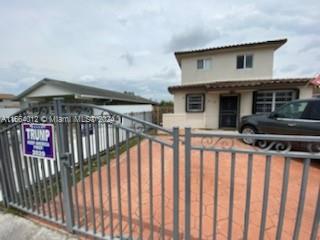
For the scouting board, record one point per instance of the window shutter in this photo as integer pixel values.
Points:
(297, 93)
(254, 99)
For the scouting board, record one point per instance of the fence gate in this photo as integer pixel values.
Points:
(103, 179)
(116, 176)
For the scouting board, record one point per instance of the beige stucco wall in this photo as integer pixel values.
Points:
(182, 120)
(212, 110)
(306, 92)
(48, 90)
(246, 99)
(223, 67)
(179, 102)
(210, 117)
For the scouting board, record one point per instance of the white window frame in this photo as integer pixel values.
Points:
(207, 63)
(244, 61)
(273, 101)
(188, 102)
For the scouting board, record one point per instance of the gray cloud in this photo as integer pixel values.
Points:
(155, 90)
(17, 76)
(274, 17)
(152, 86)
(122, 20)
(312, 45)
(309, 71)
(85, 42)
(104, 68)
(129, 58)
(195, 37)
(166, 73)
(289, 68)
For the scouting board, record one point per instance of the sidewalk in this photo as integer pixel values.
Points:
(15, 227)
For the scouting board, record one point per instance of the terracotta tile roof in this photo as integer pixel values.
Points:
(242, 84)
(6, 96)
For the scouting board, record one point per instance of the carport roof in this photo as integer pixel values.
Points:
(242, 84)
(79, 89)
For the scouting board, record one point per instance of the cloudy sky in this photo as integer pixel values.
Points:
(129, 45)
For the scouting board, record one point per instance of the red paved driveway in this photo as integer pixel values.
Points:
(208, 190)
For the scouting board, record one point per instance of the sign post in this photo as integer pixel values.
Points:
(38, 140)
(64, 160)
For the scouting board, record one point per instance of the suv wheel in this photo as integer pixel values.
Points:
(248, 130)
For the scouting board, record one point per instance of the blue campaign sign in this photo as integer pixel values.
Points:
(38, 140)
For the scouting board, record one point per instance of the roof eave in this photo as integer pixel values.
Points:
(267, 84)
(86, 96)
(273, 44)
(53, 82)
(30, 89)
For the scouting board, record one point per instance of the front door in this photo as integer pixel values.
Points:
(228, 111)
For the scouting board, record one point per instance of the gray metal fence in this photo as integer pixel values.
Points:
(228, 151)
(132, 179)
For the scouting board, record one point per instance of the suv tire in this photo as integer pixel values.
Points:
(248, 130)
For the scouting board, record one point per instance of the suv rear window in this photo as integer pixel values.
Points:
(313, 111)
(293, 110)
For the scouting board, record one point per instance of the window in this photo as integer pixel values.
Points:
(249, 61)
(200, 64)
(264, 102)
(313, 111)
(282, 97)
(268, 101)
(240, 62)
(244, 61)
(204, 64)
(195, 103)
(292, 110)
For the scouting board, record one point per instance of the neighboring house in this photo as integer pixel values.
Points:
(219, 85)
(48, 89)
(8, 105)
(7, 101)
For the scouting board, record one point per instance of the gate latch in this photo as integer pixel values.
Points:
(66, 159)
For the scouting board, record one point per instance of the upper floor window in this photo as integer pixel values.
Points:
(204, 63)
(244, 61)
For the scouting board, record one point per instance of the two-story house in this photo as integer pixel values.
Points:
(220, 85)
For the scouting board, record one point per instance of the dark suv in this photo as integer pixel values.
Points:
(299, 117)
